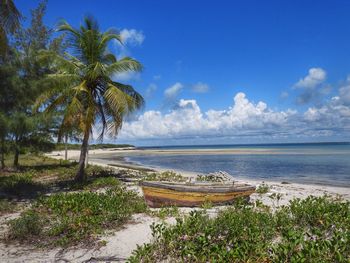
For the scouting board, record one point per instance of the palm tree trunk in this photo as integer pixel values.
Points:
(15, 160)
(66, 148)
(80, 176)
(87, 158)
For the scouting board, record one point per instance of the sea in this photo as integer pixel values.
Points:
(310, 163)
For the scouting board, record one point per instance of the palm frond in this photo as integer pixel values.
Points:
(106, 37)
(138, 100)
(123, 65)
(64, 26)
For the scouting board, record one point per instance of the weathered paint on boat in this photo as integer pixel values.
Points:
(158, 194)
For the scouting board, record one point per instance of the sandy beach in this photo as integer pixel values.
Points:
(288, 190)
(120, 244)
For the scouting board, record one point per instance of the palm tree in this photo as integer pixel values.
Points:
(84, 88)
(9, 22)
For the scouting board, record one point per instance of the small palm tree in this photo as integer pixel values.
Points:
(83, 87)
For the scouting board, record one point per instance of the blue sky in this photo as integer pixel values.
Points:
(292, 56)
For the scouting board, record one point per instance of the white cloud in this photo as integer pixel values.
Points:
(157, 77)
(315, 77)
(243, 119)
(187, 120)
(200, 87)
(310, 89)
(132, 37)
(173, 91)
(334, 115)
(344, 93)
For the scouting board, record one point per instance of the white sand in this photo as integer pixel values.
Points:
(119, 246)
(121, 243)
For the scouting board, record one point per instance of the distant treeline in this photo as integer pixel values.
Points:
(61, 146)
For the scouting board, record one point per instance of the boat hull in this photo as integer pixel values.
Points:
(159, 195)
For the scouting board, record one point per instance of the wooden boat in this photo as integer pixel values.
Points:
(159, 194)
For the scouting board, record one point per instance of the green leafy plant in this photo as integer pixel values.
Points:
(27, 226)
(164, 212)
(165, 176)
(71, 218)
(316, 229)
(262, 189)
(207, 204)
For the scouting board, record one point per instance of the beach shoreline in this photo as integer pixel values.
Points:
(289, 190)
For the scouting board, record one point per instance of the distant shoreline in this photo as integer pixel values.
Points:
(243, 145)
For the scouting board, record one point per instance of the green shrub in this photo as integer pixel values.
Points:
(262, 189)
(164, 212)
(70, 218)
(28, 225)
(316, 229)
(169, 176)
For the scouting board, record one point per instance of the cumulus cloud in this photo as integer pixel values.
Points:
(344, 92)
(243, 119)
(173, 91)
(310, 87)
(331, 118)
(315, 77)
(132, 37)
(200, 87)
(187, 119)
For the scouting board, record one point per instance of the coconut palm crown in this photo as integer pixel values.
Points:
(83, 89)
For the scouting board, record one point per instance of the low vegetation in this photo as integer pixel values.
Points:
(164, 176)
(164, 212)
(6, 206)
(20, 186)
(70, 218)
(64, 212)
(210, 178)
(316, 229)
(262, 189)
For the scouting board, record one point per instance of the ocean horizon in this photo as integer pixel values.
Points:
(324, 163)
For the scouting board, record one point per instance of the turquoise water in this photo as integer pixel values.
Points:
(325, 164)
